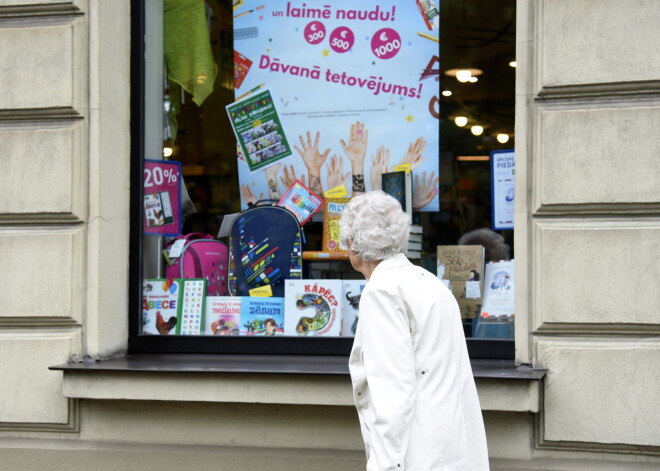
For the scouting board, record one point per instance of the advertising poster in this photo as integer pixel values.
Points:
(162, 198)
(258, 130)
(355, 86)
(503, 185)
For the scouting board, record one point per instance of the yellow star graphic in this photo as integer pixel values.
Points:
(325, 53)
(410, 118)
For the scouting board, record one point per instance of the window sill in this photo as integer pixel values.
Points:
(320, 380)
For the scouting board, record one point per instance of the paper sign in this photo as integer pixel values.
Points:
(176, 248)
(162, 197)
(472, 289)
(403, 168)
(337, 192)
(261, 292)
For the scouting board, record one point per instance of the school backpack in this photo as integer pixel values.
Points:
(265, 248)
(201, 257)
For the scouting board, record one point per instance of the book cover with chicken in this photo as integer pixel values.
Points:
(312, 308)
(160, 306)
(351, 306)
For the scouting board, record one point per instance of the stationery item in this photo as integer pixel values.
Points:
(241, 68)
(301, 201)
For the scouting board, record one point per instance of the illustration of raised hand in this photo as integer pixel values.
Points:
(290, 176)
(379, 164)
(414, 154)
(356, 149)
(309, 151)
(336, 176)
(271, 181)
(424, 191)
(248, 196)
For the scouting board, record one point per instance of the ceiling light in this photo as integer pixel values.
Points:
(446, 93)
(473, 79)
(513, 64)
(477, 130)
(473, 158)
(463, 75)
(460, 121)
(167, 152)
(502, 138)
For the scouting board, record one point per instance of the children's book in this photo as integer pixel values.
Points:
(351, 301)
(312, 308)
(262, 316)
(399, 185)
(191, 308)
(301, 201)
(499, 290)
(223, 315)
(173, 306)
(461, 267)
(332, 208)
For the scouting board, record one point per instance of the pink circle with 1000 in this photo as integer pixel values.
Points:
(386, 43)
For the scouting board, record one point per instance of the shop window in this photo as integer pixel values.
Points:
(333, 97)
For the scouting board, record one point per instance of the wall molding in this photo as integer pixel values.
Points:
(40, 322)
(597, 209)
(39, 115)
(595, 447)
(45, 11)
(72, 424)
(597, 330)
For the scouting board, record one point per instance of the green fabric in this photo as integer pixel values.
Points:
(188, 52)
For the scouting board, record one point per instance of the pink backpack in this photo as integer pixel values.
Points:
(202, 257)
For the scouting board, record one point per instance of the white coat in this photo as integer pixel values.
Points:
(412, 381)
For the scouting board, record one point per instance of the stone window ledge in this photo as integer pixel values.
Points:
(274, 379)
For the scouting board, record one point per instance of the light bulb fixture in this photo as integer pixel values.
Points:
(473, 79)
(460, 121)
(446, 93)
(477, 130)
(502, 138)
(167, 152)
(513, 64)
(463, 75)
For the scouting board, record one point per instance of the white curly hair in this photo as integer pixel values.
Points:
(377, 225)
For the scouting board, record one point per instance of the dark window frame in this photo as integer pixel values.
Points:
(478, 348)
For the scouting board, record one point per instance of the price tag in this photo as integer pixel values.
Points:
(261, 292)
(337, 192)
(403, 168)
(176, 248)
(472, 289)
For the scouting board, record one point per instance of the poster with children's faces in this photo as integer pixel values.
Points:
(355, 86)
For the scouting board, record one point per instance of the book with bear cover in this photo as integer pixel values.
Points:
(462, 268)
(312, 308)
(332, 208)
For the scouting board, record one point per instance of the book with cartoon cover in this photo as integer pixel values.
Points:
(262, 316)
(499, 290)
(332, 208)
(312, 308)
(223, 315)
(461, 267)
(160, 306)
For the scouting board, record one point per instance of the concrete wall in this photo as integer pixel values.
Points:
(588, 98)
(588, 226)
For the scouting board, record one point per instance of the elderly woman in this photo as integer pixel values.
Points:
(412, 381)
